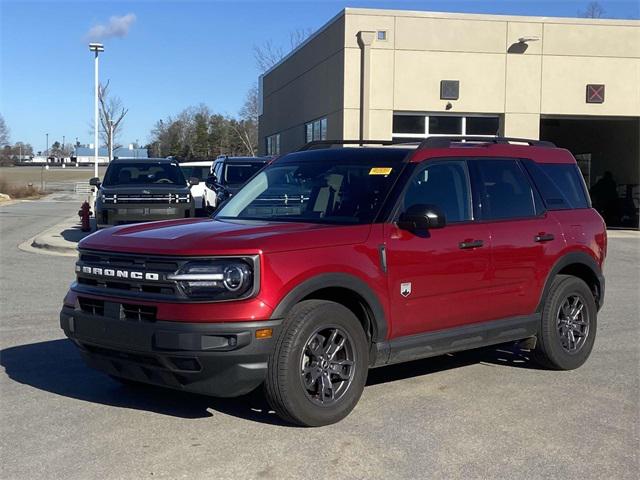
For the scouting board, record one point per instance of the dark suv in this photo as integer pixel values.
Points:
(333, 261)
(142, 190)
(228, 175)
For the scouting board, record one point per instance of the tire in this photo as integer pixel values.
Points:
(554, 348)
(301, 364)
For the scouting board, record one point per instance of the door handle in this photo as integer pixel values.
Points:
(543, 237)
(471, 244)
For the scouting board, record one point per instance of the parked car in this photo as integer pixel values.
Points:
(333, 261)
(228, 175)
(136, 190)
(199, 170)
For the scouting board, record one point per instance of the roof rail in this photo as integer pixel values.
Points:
(445, 142)
(318, 144)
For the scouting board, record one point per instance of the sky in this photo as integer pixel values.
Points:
(164, 56)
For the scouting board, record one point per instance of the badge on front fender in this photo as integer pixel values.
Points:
(405, 289)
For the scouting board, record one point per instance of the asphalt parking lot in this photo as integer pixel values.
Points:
(480, 414)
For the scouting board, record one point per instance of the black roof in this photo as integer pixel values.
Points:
(245, 159)
(144, 160)
(340, 154)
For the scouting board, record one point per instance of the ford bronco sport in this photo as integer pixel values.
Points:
(332, 261)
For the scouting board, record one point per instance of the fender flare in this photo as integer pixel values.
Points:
(572, 258)
(340, 280)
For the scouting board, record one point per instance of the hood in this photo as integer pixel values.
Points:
(214, 237)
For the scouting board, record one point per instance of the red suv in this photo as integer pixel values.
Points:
(331, 261)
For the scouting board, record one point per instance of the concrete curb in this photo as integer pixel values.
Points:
(52, 242)
(623, 233)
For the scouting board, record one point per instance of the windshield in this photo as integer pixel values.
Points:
(328, 191)
(199, 172)
(147, 173)
(239, 173)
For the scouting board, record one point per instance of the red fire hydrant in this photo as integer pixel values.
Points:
(85, 213)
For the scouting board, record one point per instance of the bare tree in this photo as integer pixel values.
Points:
(298, 36)
(112, 112)
(250, 109)
(4, 132)
(593, 10)
(268, 54)
(246, 134)
(247, 128)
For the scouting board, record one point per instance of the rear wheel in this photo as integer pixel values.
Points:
(318, 368)
(568, 325)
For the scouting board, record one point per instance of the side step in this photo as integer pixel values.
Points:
(440, 342)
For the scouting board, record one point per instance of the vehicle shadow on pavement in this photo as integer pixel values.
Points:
(55, 366)
(510, 355)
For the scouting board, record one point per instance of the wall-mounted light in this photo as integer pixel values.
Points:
(528, 39)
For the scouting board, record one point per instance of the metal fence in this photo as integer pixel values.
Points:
(76, 187)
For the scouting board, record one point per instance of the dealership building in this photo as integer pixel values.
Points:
(389, 74)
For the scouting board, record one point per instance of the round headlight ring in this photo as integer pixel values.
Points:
(234, 277)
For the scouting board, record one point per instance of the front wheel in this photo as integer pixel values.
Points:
(318, 368)
(568, 325)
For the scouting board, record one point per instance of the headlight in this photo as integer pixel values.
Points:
(218, 279)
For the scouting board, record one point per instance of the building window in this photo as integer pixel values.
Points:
(382, 35)
(316, 130)
(273, 144)
(422, 126)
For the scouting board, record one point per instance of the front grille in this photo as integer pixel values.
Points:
(119, 286)
(147, 198)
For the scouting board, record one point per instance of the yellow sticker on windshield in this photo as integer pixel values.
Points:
(380, 171)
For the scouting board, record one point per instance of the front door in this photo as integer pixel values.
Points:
(438, 278)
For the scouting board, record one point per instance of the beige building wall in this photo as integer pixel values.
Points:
(520, 82)
(307, 85)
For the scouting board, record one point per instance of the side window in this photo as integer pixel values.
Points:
(445, 185)
(560, 185)
(218, 171)
(505, 190)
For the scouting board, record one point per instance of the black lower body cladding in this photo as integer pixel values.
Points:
(222, 359)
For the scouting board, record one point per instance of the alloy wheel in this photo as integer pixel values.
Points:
(572, 323)
(327, 365)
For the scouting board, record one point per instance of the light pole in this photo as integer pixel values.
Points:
(110, 140)
(47, 154)
(96, 48)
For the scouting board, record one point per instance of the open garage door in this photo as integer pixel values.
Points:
(608, 152)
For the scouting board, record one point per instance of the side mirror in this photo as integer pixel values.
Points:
(94, 182)
(194, 181)
(421, 217)
(212, 179)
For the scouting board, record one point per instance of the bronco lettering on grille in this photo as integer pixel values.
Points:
(117, 273)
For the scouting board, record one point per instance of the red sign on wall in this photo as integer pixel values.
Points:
(595, 93)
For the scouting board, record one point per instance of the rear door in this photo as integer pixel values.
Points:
(525, 239)
(438, 278)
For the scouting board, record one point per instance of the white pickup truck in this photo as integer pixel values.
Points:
(199, 170)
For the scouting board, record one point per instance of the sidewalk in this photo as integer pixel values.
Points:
(61, 239)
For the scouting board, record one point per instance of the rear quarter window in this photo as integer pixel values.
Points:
(560, 185)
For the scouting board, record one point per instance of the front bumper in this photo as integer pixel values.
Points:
(142, 212)
(217, 359)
